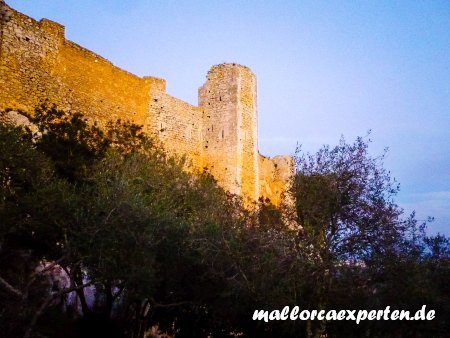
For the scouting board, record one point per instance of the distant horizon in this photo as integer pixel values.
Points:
(323, 70)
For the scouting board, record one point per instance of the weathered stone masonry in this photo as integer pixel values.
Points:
(219, 135)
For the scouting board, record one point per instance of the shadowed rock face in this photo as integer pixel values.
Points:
(219, 135)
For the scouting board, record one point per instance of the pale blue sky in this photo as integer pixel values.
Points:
(323, 69)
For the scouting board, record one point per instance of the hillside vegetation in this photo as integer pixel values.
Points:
(104, 235)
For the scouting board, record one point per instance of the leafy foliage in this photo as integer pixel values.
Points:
(364, 253)
(106, 235)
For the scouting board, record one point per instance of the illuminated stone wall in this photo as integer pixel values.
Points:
(219, 135)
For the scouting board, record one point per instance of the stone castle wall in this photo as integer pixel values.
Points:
(219, 135)
(178, 125)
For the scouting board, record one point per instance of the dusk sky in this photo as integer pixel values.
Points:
(324, 69)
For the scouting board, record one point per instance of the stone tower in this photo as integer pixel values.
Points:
(228, 100)
(219, 135)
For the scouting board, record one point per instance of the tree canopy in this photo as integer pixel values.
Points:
(104, 234)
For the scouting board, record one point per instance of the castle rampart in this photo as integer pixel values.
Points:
(219, 135)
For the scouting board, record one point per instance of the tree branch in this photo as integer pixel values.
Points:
(48, 267)
(11, 288)
(71, 289)
(46, 303)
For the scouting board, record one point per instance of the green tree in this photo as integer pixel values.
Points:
(159, 246)
(363, 252)
(33, 200)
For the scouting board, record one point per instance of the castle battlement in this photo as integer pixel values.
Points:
(219, 135)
